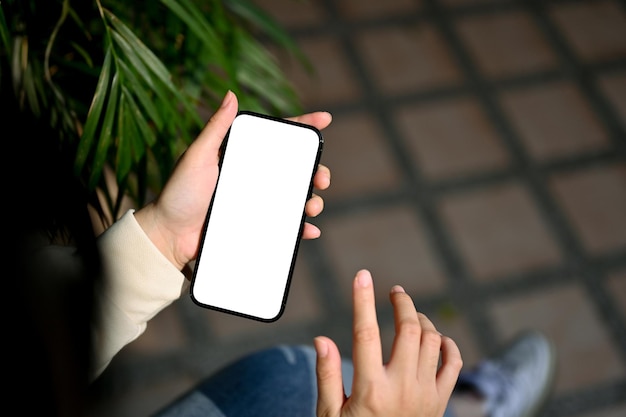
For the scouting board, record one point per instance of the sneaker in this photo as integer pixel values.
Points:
(516, 382)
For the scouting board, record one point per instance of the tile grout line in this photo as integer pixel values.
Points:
(581, 76)
(418, 195)
(589, 398)
(532, 177)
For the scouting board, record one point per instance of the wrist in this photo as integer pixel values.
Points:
(158, 235)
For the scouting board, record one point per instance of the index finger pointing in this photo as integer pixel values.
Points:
(367, 350)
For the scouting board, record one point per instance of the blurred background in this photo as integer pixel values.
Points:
(478, 154)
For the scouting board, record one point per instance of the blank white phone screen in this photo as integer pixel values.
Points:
(253, 227)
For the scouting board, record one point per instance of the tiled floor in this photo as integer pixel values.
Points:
(478, 153)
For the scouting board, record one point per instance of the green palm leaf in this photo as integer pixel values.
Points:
(153, 67)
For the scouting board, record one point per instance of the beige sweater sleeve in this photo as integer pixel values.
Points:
(140, 283)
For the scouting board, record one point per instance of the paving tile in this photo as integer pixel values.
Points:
(406, 58)
(331, 81)
(358, 157)
(450, 138)
(554, 120)
(594, 201)
(498, 231)
(226, 327)
(596, 30)
(359, 9)
(616, 287)
(302, 306)
(390, 242)
(613, 86)
(455, 3)
(506, 44)
(609, 411)
(585, 354)
(294, 14)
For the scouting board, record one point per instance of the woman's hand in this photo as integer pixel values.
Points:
(411, 384)
(174, 221)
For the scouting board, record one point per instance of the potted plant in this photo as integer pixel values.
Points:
(126, 86)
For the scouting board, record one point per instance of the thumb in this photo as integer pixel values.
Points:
(211, 137)
(330, 393)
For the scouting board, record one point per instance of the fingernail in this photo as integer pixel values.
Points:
(320, 347)
(396, 288)
(227, 99)
(364, 279)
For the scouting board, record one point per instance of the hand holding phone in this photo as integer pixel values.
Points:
(255, 220)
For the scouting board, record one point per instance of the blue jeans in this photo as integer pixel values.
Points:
(277, 382)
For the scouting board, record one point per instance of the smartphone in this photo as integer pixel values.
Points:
(255, 220)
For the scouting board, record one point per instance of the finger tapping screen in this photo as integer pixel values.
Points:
(256, 217)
